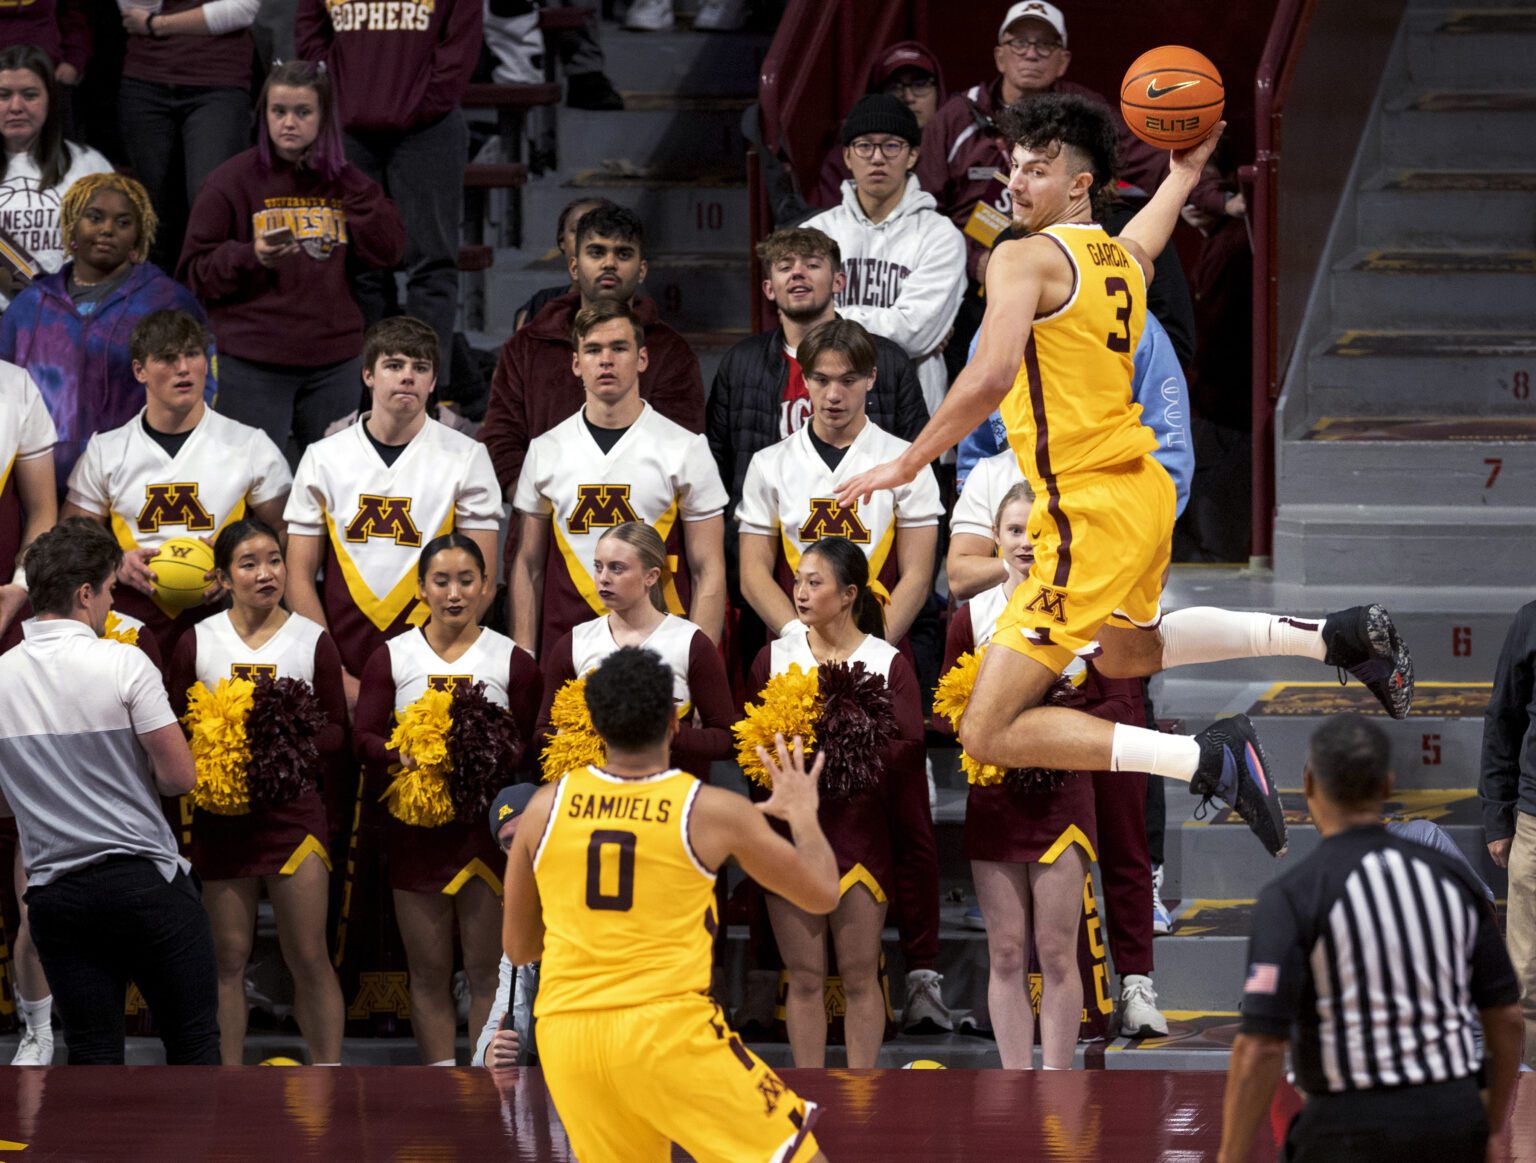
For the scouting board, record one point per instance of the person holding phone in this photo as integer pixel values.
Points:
(270, 242)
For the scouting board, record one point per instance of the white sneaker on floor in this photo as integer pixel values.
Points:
(649, 16)
(36, 1049)
(1162, 920)
(1139, 1015)
(721, 15)
(925, 1011)
(933, 789)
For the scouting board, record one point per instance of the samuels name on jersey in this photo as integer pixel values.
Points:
(657, 473)
(792, 494)
(376, 517)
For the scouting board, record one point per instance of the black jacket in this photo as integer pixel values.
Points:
(1509, 731)
(742, 414)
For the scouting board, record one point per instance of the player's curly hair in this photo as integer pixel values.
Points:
(629, 697)
(79, 196)
(1068, 121)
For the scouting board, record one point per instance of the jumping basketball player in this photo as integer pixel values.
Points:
(1065, 309)
(611, 882)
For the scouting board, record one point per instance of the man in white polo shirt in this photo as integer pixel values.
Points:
(87, 740)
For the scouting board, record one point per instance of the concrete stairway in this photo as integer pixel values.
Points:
(676, 156)
(1408, 424)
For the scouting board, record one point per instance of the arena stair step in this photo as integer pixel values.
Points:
(1431, 372)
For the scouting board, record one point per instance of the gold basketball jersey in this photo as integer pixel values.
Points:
(629, 909)
(1072, 408)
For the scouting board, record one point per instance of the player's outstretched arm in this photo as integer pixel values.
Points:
(1014, 277)
(522, 913)
(802, 870)
(1149, 232)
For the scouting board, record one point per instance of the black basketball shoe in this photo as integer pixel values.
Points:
(1363, 641)
(1233, 769)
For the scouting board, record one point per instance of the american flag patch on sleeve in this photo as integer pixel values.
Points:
(1262, 978)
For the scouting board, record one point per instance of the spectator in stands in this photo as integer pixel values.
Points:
(787, 506)
(615, 461)
(70, 329)
(60, 29)
(506, 1039)
(29, 503)
(177, 469)
(910, 72)
(38, 165)
(535, 386)
(399, 90)
(565, 243)
(903, 262)
(581, 60)
(273, 239)
(1508, 791)
(186, 94)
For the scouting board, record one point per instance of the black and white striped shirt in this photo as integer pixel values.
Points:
(1374, 954)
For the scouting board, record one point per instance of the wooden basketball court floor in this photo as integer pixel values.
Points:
(411, 1114)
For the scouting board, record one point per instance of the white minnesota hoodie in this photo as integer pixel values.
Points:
(905, 276)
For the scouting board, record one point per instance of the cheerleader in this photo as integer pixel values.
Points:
(1029, 850)
(844, 623)
(281, 846)
(630, 571)
(448, 872)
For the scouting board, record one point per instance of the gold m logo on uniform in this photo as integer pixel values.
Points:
(173, 504)
(1052, 603)
(600, 506)
(251, 671)
(446, 682)
(829, 519)
(380, 993)
(384, 517)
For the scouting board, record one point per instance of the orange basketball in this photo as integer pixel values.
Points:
(1171, 96)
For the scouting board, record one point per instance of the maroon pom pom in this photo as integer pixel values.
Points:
(858, 717)
(484, 745)
(284, 721)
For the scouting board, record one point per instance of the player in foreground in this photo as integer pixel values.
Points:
(1065, 309)
(611, 884)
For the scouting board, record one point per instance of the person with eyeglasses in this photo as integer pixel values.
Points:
(910, 72)
(1031, 56)
(903, 263)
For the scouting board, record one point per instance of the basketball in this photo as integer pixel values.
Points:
(924, 1064)
(1171, 96)
(180, 568)
(281, 1062)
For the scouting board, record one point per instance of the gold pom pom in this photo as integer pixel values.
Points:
(576, 742)
(790, 706)
(419, 796)
(220, 751)
(950, 698)
(118, 631)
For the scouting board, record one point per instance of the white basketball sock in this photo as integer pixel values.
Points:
(38, 1015)
(1206, 634)
(444, 1062)
(1138, 749)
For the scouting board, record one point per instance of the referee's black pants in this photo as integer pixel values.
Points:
(117, 921)
(1442, 1121)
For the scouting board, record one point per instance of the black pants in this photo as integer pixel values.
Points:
(120, 921)
(1443, 1121)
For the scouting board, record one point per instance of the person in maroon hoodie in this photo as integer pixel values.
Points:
(267, 252)
(534, 387)
(400, 70)
(186, 89)
(61, 28)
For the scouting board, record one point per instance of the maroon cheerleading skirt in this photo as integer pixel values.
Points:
(859, 831)
(1012, 826)
(264, 842)
(442, 859)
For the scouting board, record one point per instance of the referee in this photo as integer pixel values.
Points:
(1375, 956)
(87, 737)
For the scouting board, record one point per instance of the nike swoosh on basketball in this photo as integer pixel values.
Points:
(1153, 92)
